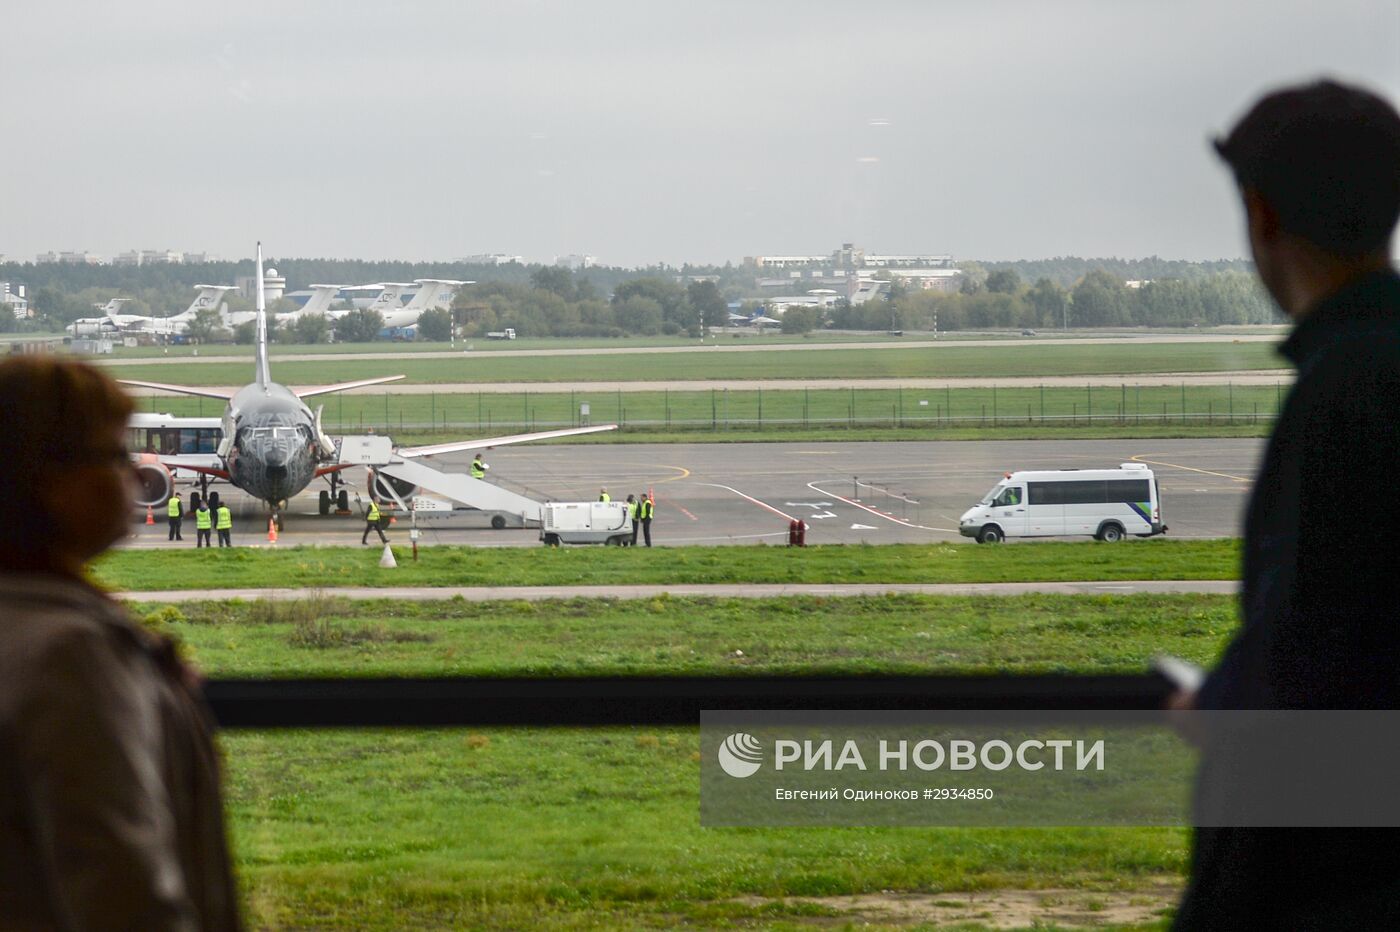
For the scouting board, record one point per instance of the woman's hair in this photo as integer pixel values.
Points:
(54, 412)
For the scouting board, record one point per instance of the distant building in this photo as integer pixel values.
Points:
(495, 258)
(274, 285)
(576, 262)
(850, 264)
(15, 295)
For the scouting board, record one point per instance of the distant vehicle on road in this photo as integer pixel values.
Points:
(506, 334)
(1107, 503)
(1028, 332)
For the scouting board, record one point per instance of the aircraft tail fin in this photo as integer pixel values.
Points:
(262, 375)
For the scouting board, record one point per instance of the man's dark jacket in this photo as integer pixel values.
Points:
(1320, 620)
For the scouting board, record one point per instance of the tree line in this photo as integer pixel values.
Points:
(554, 301)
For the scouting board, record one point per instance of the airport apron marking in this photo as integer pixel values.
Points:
(880, 514)
(763, 505)
(1139, 459)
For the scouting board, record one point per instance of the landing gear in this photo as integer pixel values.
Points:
(336, 495)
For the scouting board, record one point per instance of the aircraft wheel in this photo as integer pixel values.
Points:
(324, 502)
(498, 522)
(342, 500)
(551, 540)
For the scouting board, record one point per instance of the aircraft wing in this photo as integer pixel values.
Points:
(342, 386)
(457, 447)
(180, 389)
(200, 464)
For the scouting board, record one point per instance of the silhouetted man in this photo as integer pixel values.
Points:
(1318, 169)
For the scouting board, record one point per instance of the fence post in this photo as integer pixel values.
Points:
(994, 406)
(714, 419)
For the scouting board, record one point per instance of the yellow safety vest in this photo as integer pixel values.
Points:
(605, 497)
(478, 470)
(173, 509)
(372, 516)
(647, 508)
(225, 518)
(201, 519)
(632, 510)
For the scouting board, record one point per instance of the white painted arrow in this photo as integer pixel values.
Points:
(863, 527)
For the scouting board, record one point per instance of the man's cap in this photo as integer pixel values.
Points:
(1326, 156)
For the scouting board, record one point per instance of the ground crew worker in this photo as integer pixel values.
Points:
(224, 524)
(175, 511)
(372, 523)
(479, 468)
(203, 522)
(646, 506)
(603, 495)
(633, 513)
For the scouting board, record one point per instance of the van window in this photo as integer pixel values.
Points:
(1012, 496)
(1089, 492)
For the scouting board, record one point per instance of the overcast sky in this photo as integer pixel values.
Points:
(649, 131)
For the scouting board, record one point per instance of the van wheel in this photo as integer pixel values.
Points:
(498, 522)
(1110, 533)
(991, 534)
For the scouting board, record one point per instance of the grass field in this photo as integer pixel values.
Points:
(1049, 409)
(309, 567)
(598, 829)
(768, 338)
(1015, 359)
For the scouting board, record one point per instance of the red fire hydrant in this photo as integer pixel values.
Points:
(797, 533)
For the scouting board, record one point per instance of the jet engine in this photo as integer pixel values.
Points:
(380, 485)
(153, 482)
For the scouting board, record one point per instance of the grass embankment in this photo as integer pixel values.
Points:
(311, 567)
(720, 413)
(598, 829)
(889, 634)
(1014, 359)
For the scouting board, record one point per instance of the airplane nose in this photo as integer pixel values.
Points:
(276, 473)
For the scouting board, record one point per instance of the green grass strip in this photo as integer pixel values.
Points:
(310, 567)
(1046, 359)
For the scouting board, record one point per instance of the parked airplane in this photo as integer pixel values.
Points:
(432, 293)
(272, 444)
(114, 323)
(102, 325)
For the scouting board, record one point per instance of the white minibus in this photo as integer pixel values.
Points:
(1107, 503)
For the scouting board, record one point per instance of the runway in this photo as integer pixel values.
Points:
(847, 493)
(1283, 377)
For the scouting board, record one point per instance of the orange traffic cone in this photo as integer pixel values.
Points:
(272, 530)
(150, 515)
